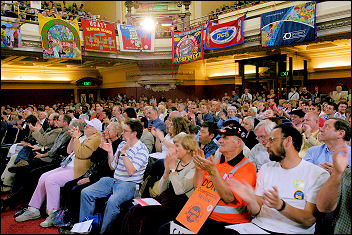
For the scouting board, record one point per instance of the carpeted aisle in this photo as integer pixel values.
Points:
(10, 226)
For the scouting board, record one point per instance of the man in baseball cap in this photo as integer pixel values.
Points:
(227, 163)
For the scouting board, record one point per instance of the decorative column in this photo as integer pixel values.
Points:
(129, 5)
(187, 18)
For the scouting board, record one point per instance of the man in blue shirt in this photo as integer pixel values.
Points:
(154, 120)
(335, 132)
(207, 140)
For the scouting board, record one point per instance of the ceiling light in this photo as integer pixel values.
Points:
(148, 24)
(168, 24)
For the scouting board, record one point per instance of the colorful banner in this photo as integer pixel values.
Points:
(60, 38)
(135, 39)
(98, 36)
(187, 46)
(11, 35)
(225, 34)
(289, 25)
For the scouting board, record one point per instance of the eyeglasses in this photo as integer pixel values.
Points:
(126, 131)
(260, 137)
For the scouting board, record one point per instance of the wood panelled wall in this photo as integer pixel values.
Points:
(36, 96)
(51, 96)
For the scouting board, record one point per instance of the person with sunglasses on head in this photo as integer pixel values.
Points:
(129, 163)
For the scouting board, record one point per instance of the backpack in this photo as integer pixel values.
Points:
(97, 222)
(61, 218)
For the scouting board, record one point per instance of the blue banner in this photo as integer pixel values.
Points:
(290, 25)
(187, 46)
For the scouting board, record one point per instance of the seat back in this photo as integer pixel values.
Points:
(11, 135)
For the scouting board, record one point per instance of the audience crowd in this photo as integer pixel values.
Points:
(280, 163)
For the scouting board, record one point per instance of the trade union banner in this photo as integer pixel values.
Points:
(187, 46)
(98, 36)
(135, 39)
(289, 25)
(60, 38)
(11, 35)
(225, 34)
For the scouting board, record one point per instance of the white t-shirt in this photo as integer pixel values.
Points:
(295, 186)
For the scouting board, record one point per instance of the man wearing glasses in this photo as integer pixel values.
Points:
(284, 200)
(258, 154)
(129, 163)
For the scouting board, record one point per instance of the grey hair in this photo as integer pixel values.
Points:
(251, 120)
(268, 125)
(77, 123)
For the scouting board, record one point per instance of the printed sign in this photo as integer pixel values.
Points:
(98, 36)
(135, 39)
(187, 46)
(224, 35)
(60, 38)
(199, 206)
(10, 35)
(289, 25)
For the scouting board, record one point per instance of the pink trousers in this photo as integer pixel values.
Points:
(49, 186)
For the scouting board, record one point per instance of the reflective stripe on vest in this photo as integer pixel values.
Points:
(230, 209)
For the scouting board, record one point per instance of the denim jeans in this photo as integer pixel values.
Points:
(120, 191)
(24, 154)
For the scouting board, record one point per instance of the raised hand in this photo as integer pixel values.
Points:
(243, 189)
(271, 198)
(107, 146)
(340, 160)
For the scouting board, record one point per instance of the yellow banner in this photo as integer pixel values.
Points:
(60, 38)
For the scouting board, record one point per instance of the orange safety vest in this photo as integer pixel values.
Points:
(236, 211)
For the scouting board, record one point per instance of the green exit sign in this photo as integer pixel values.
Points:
(283, 74)
(87, 83)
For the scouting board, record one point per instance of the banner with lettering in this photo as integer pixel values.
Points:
(199, 206)
(224, 35)
(135, 39)
(60, 38)
(98, 36)
(290, 25)
(11, 35)
(187, 46)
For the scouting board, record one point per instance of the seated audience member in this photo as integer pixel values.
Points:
(231, 115)
(229, 161)
(339, 95)
(175, 186)
(335, 195)
(248, 124)
(293, 94)
(246, 96)
(154, 120)
(71, 193)
(106, 117)
(311, 133)
(335, 132)
(341, 110)
(207, 141)
(330, 111)
(204, 115)
(76, 164)
(162, 143)
(98, 114)
(44, 139)
(259, 154)
(284, 200)
(129, 163)
(297, 117)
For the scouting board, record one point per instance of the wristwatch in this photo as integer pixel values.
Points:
(212, 172)
(172, 170)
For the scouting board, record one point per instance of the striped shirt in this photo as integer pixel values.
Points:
(138, 155)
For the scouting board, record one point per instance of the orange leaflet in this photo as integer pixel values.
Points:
(199, 206)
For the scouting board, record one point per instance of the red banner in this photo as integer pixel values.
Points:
(99, 36)
(225, 34)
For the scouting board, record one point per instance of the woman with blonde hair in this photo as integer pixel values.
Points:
(176, 186)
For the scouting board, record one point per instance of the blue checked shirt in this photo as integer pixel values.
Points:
(321, 153)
